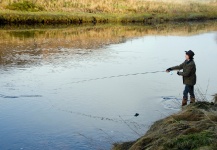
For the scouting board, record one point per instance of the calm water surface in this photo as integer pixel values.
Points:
(41, 106)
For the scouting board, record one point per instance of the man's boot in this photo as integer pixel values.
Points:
(184, 102)
(192, 100)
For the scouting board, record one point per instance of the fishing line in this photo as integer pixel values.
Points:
(117, 76)
(130, 126)
(103, 118)
(107, 118)
(120, 119)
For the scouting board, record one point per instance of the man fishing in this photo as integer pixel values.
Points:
(189, 76)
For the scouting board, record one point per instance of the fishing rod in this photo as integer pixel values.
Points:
(117, 76)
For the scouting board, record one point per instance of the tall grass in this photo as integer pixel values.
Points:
(122, 6)
(104, 11)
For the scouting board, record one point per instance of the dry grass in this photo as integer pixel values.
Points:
(104, 11)
(192, 128)
(215, 98)
(123, 6)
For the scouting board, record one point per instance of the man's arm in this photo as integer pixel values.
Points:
(179, 67)
(187, 71)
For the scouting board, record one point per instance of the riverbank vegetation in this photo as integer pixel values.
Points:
(104, 11)
(195, 128)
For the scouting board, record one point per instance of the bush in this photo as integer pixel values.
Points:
(25, 6)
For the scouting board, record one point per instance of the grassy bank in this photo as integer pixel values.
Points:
(195, 128)
(104, 11)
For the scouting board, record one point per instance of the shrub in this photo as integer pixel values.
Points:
(25, 6)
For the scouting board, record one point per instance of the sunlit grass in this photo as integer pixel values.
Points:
(121, 6)
(81, 11)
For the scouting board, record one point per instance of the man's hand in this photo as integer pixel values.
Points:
(168, 70)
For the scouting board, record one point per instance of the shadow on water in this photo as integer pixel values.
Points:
(26, 45)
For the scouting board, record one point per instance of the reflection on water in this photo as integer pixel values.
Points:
(21, 47)
(43, 106)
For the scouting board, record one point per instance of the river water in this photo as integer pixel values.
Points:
(44, 106)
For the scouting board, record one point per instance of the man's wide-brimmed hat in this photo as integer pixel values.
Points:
(190, 53)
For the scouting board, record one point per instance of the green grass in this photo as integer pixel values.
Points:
(48, 18)
(43, 17)
(103, 11)
(194, 128)
(191, 141)
(25, 6)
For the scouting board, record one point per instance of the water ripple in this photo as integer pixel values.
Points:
(20, 96)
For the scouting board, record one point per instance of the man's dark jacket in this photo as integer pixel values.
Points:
(189, 72)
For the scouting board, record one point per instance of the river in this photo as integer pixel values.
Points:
(45, 106)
